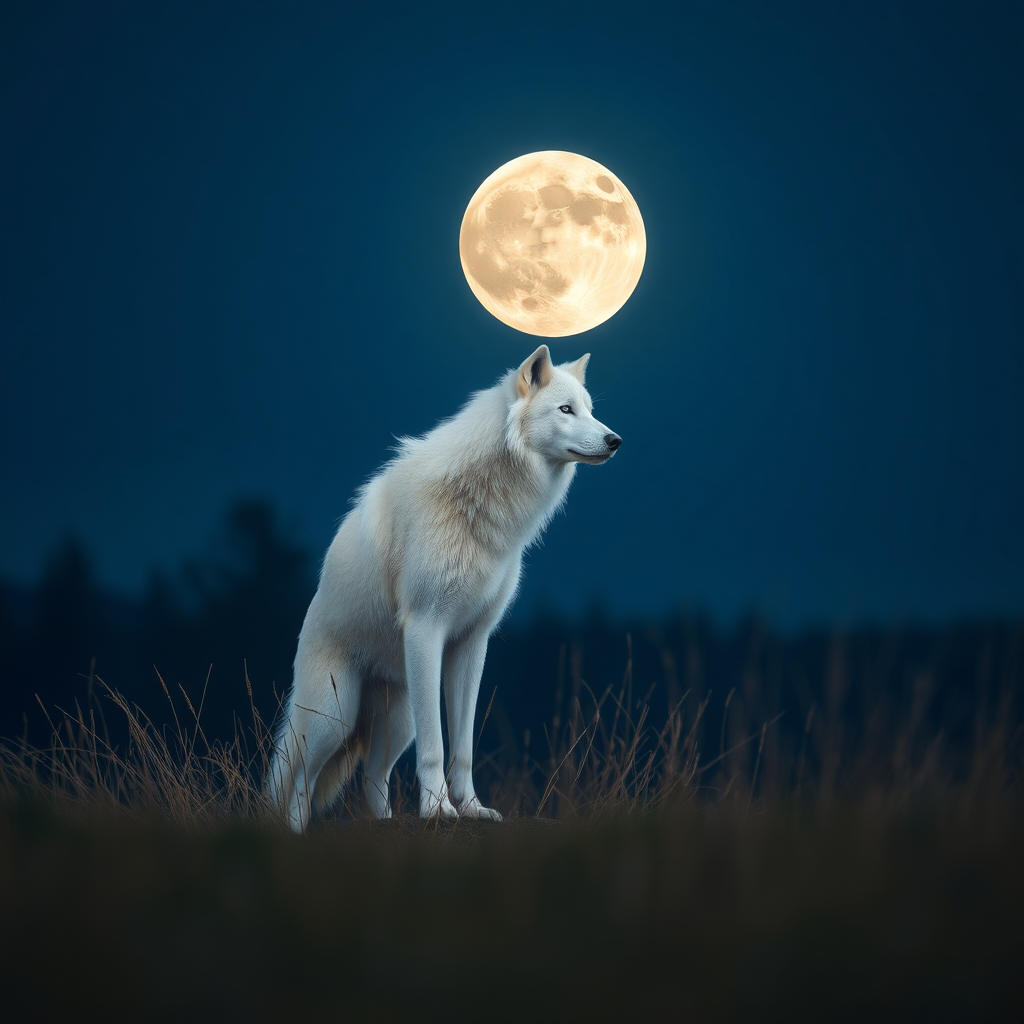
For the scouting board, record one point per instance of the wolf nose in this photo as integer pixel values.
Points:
(612, 440)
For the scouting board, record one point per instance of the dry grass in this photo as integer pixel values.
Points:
(604, 755)
(172, 776)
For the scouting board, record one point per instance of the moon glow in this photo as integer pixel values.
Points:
(552, 243)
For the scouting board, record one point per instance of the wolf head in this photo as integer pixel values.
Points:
(555, 413)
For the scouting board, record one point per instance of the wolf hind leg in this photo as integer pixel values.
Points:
(334, 775)
(389, 729)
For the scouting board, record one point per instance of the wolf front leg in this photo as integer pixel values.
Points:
(464, 665)
(424, 644)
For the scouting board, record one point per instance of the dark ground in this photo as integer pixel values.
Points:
(690, 915)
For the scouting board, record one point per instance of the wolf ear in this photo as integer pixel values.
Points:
(535, 372)
(579, 368)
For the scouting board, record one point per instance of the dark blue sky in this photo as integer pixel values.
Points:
(229, 258)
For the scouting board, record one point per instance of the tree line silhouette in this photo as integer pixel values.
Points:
(229, 620)
(239, 607)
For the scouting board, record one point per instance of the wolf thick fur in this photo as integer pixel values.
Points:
(416, 579)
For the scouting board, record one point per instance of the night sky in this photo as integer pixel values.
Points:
(229, 264)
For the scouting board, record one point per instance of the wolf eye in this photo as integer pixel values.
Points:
(565, 409)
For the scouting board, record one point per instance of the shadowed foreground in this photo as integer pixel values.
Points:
(636, 876)
(707, 916)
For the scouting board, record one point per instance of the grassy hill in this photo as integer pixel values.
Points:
(644, 868)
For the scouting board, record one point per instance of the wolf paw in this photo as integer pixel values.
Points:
(474, 809)
(431, 807)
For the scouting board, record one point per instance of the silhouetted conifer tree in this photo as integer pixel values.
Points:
(240, 608)
(64, 631)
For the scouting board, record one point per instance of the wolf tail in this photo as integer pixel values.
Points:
(280, 784)
(316, 747)
(296, 783)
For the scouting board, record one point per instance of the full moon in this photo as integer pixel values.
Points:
(552, 243)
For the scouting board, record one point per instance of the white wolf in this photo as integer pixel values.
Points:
(416, 579)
